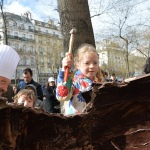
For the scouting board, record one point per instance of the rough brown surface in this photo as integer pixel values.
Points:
(118, 119)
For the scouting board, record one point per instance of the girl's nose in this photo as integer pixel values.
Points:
(25, 104)
(91, 65)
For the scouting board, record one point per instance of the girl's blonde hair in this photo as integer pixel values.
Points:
(99, 76)
(83, 49)
(90, 49)
(26, 92)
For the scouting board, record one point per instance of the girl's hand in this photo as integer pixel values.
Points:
(67, 61)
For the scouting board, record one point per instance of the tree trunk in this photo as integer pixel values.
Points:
(4, 16)
(75, 14)
(127, 59)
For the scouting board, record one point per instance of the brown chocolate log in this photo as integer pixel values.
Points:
(118, 117)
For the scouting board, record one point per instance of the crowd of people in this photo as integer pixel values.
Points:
(65, 96)
(30, 93)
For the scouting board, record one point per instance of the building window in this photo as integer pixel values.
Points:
(42, 70)
(23, 35)
(49, 70)
(31, 49)
(32, 61)
(24, 48)
(41, 59)
(19, 73)
(22, 26)
(40, 50)
(8, 32)
(10, 24)
(24, 60)
(40, 39)
(48, 60)
(30, 36)
(16, 34)
(14, 24)
(16, 46)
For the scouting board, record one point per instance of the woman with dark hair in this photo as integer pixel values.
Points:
(52, 105)
(147, 66)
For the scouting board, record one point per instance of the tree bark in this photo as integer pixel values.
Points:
(75, 14)
(4, 20)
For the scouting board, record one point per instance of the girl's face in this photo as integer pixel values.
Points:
(88, 65)
(26, 100)
(52, 83)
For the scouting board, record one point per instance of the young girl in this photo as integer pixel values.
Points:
(25, 97)
(87, 64)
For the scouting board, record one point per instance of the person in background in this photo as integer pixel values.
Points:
(27, 75)
(113, 78)
(9, 94)
(105, 76)
(44, 96)
(70, 92)
(43, 89)
(15, 89)
(38, 103)
(26, 98)
(52, 105)
(147, 66)
(8, 62)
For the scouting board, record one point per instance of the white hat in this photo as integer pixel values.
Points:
(50, 79)
(8, 61)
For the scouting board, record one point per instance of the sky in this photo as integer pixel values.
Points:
(36, 7)
(38, 10)
(46, 9)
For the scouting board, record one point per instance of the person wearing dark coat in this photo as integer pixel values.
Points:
(147, 66)
(9, 94)
(27, 75)
(52, 105)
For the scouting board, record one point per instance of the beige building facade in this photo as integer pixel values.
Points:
(39, 45)
(112, 59)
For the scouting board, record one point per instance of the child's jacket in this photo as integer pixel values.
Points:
(70, 92)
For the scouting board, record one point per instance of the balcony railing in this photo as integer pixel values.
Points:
(12, 37)
(20, 38)
(33, 65)
(27, 39)
(51, 34)
(21, 28)
(21, 51)
(31, 30)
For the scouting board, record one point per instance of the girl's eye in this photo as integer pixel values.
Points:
(30, 101)
(86, 63)
(95, 63)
